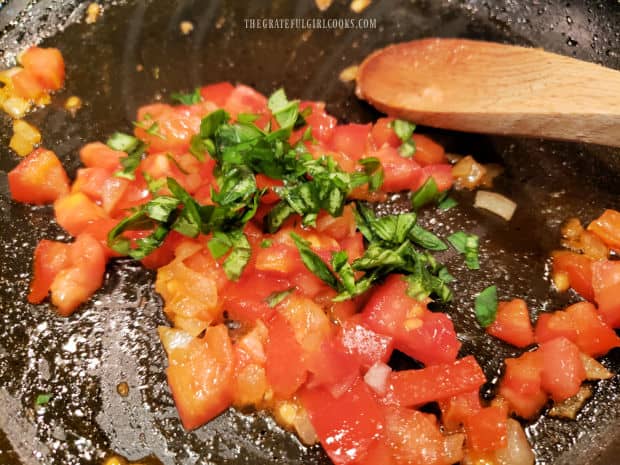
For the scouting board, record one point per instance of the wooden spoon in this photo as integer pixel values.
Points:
(486, 87)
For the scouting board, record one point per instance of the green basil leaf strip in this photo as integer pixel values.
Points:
(121, 244)
(364, 218)
(419, 285)
(374, 172)
(447, 203)
(189, 221)
(425, 238)
(486, 306)
(407, 149)
(219, 244)
(467, 245)
(123, 142)
(314, 263)
(341, 265)
(160, 208)
(241, 253)
(276, 298)
(212, 122)
(153, 185)
(147, 245)
(379, 256)
(42, 399)
(278, 215)
(187, 99)
(403, 129)
(247, 117)
(405, 222)
(445, 275)
(266, 243)
(284, 111)
(426, 194)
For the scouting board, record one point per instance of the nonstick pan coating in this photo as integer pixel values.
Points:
(80, 360)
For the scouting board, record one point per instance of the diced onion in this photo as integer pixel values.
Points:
(349, 73)
(561, 281)
(594, 370)
(518, 451)
(25, 138)
(468, 173)
(304, 428)
(16, 107)
(571, 406)
(376, 377)
(495, 203)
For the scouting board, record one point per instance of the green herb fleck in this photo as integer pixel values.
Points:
(275, 298)
(187, 99)
(426, 194)
(447, 203)
(467, 245)
(486, 306)
(42, 399)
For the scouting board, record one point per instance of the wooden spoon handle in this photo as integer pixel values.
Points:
(492, 88)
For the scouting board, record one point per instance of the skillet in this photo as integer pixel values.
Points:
(112, 339)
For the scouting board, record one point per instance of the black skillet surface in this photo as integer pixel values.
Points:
(80, 360)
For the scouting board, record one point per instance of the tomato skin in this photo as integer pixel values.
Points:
(175, 127)
(217, 93)
(382, 134)
(74, 212)
(99, 229)
(400, 173)
(46, 65)
(579, 270)
(607, 227)
(90, 181)
(368, 346)
(348, 426)
(26, 85)
(426, 336)
(78, 281)
(427, 151)
(244, 99)
(39, 178)
(512, 324)
(442, 174)
(436, 382)
(455, 409)
(351, 139)
(581, 324)
(284, 365)
(322, 124)
(49, 258)
(521, 384)
(340, 227)
(333, 367)
(486, 429)
(99, 155)
(563, 370)
(606, 286)
(199, 373)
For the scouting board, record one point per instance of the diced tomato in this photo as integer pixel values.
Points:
(99, 155)
(521, 385)
(26, 85)
(90, 181)
(339, 227)
(606, 286)
(456, 409)
(436, 382)
(581, 324)
(244, 99)
(217, 93)
(427, 151)
(265, 182)
(512, 324)
(77, 282)
(351, 139)
(579, 270)
(333, 367)
(279, 258)
(199, 373)
(426, 336)
(285, 369)
(39, 178)
(112, 193)
(368, 346)
(49, 258)
(415, 438)
(347, 426)
(442, 174)
(246, 299)
(563, 370)
(75, 211)
(322, 124)
(382, 134)
(486, 429)
(607, 227)
(378, 453)
(99, 229)
(308, 320)
(46, 65)
(353, 245)
(400, 173)
(166, 128)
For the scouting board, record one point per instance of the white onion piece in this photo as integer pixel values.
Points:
(303, 427)
(376, 377)
(495, 203)
(518, 451)
(172, 338)
(594, 370)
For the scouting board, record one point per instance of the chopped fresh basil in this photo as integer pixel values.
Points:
(407, 149)
(123, 142)
(219, 244)
(426, 194)
(42, 399)
(467, 245)
(266, 243)
(486, 306)
(150, 127)
(275, 298)
(187, 99)
(315, 263)
(247, 117)
(426, 239)
(134, 149)
(237, 260)
(447, 203)
(403, 129)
